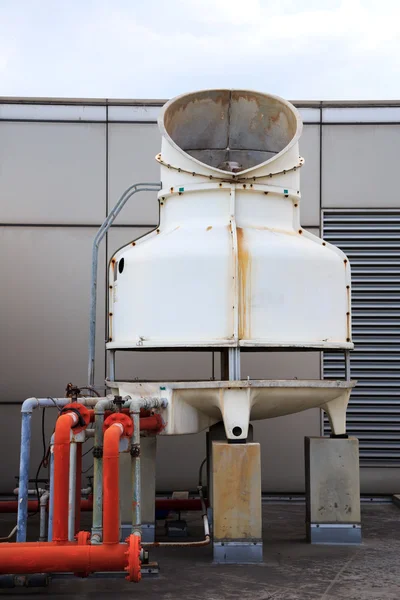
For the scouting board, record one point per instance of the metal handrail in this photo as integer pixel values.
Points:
(133, 189)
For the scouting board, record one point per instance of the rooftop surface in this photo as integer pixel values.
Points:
(292, 569)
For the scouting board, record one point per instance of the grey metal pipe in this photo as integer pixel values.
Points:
(24, 476)
(347, 374)
(133, 189)
(43, 507)
(26, 409)
(111, 365)
(73, 450)
(135, 474)
(97, 523)
(134, 411)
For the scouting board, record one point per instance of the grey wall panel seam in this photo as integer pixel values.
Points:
(83, 225)
(121, 122)
(106, 247)
(62, 121)
(328, 123)
(321, 365)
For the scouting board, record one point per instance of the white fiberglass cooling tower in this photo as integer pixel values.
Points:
(229, 265)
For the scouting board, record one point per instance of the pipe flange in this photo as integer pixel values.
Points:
(133, 555)
(82, 412)
(125, 420)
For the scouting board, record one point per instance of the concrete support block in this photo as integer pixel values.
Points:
(237, 519)
(148, 448)
(332, 490)
(216, 433)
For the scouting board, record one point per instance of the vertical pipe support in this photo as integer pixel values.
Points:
(111, 365)
(78, 487)
(134, 411)
(24, 476)
(43, 509)
(347, 373)
(97, 523)
(234, 364)
(72, 489)
(135, 470)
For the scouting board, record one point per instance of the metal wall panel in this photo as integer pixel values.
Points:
(45, 310)
(371, 240)
(52, 172)
(132, 148)
(358, 166)
(309, 176)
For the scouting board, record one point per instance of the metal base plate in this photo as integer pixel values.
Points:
(44, 579)
(334, 533)
(238, 552)
(148, 531)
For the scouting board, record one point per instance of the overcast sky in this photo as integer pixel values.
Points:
(308, 49)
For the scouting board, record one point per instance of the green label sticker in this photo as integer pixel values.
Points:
(285, 191)
(181, 189)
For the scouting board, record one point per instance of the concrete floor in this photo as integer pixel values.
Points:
(292, 569)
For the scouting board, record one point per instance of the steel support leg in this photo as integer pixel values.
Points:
(24, 477)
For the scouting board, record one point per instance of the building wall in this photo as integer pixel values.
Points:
(63, 165)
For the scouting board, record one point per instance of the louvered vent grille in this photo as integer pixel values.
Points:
(371, 241)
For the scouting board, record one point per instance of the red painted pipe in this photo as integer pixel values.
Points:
(153, 423)
(62, 434)
(52, 558)
(112, 437)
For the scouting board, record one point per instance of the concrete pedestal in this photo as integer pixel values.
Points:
(148, 447)
(332, 490)
(216, 433)
(236, 500)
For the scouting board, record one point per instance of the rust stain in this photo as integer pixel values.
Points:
(237, 506)
(209, 227)
(244, 260)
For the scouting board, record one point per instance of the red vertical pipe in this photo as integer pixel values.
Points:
(61, 475)
(111, 483)
(78, 488)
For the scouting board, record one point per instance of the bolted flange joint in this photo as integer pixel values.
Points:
(133, 558)
(121, 418)
(82, 413)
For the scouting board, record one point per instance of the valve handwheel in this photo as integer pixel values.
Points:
(134, 562)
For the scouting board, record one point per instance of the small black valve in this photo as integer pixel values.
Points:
(119, 402)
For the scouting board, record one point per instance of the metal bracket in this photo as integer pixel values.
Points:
(334, 533)
(238, 552)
